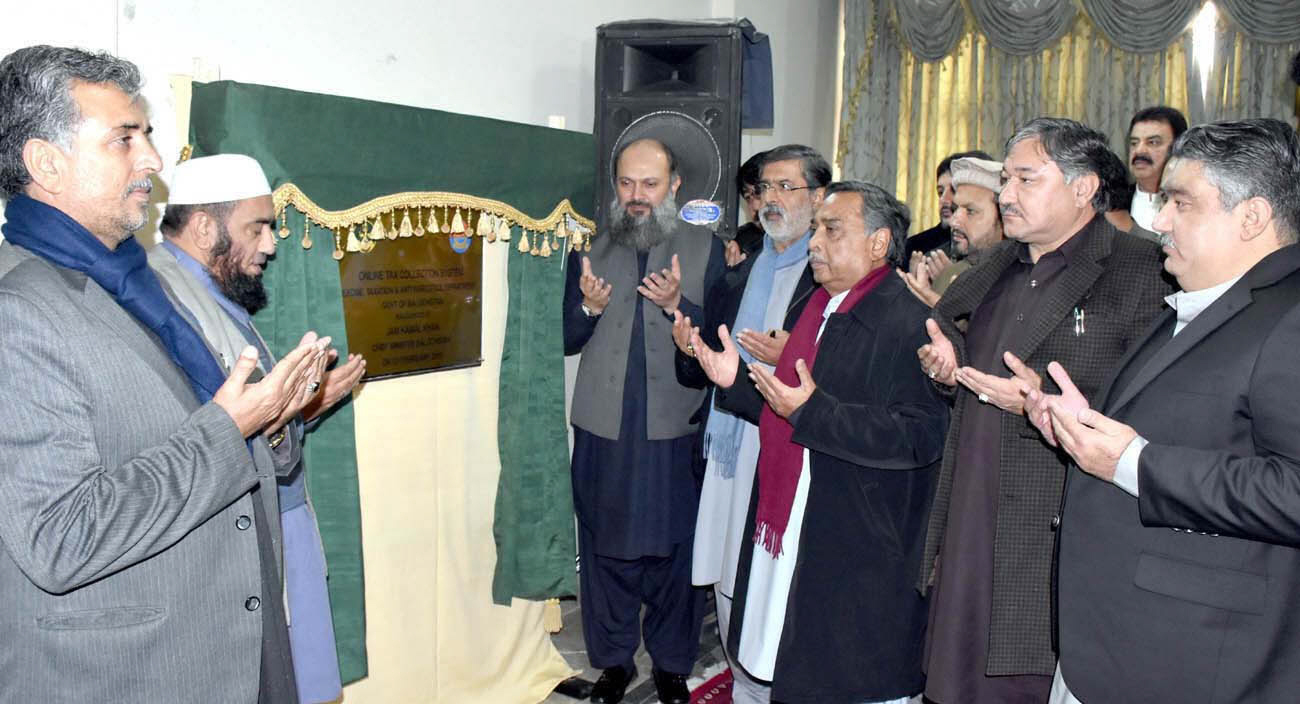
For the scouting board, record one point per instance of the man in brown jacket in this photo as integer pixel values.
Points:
(1066, 285)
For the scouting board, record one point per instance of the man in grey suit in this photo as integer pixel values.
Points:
(139, 563)
(1178, 571)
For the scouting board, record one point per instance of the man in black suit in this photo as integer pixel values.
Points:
(850, 435)
(1178, 573)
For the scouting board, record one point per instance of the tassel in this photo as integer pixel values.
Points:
(354, 244)
(419, 222)
(391, 233)
(562, 229)
(546, 245)
(377, 230)
(457, 224)
(523, 241)
(535, 251)
(503, 229)
(284, 224)
(552, 615)
(405, 230)
(483, 226)
(446, 221)
(338, 246)
(306, 233)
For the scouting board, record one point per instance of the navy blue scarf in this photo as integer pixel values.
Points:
(124, 273)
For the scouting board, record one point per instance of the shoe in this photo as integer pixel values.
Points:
(612, 684)
(671, 687)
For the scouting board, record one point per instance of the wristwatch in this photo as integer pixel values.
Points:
(589, 312)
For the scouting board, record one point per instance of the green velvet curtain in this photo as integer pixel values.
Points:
(534, 526)
(342, 152)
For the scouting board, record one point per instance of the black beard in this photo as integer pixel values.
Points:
(245, 290)
(642, 234)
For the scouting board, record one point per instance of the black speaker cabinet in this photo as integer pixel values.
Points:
(678, 82)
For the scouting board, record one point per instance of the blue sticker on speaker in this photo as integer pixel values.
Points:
(701, 212)
(460, 243)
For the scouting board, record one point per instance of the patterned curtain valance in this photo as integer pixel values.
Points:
(932, 29)
(418, 213)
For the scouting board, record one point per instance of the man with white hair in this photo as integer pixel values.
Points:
(766, 295)
(219, 230)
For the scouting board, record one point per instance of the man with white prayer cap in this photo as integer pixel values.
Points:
(219, 232)
(976, 226)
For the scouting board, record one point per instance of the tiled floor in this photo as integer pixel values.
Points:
(642, 691)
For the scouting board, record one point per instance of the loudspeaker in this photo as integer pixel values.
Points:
(678, 82)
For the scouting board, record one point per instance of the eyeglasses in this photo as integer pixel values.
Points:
(762, 187)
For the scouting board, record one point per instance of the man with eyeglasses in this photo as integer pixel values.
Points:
(766, 292)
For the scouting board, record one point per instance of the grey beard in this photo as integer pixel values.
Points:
(643, 233)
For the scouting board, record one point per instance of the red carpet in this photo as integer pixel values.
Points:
(716, 691)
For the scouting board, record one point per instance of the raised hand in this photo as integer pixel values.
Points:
(259, 407)
(732, 253)
(935, 262)
(939, 357)
(765, 347)
(1070, 399)
(783, 399)
(1009, 394)
(595, 292)
(720, 367)
(663, 288)
(682, 332)
(918, 279)
(337, 383)
(1093, 440)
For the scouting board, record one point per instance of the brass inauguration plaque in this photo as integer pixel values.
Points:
(415, 304)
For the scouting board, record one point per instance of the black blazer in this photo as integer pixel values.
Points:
(1190, 593)
(854, 626)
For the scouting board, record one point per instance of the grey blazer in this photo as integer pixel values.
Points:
(130, 568)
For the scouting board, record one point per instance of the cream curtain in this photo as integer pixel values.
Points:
(907, 105)
(427, 455)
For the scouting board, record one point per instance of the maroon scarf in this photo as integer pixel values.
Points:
(780, 460)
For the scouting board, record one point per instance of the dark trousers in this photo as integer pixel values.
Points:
(612, 592)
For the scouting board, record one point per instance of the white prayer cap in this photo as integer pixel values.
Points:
(977, 172)
(217, 179)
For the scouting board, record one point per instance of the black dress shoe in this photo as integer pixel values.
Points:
(612, 684)
(672, 688)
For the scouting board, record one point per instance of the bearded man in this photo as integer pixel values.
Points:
(219, 234)
(634, 490)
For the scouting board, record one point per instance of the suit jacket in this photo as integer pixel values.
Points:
(854, 626)
(1189, 592)
(131, 568)
(1118, 281)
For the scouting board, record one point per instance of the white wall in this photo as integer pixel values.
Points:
(508, 59)
(517, 60)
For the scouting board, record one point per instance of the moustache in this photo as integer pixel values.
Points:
(1009, 210)
(772, 210)
(143, 184)
(1165, 239)
(1143, 160)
